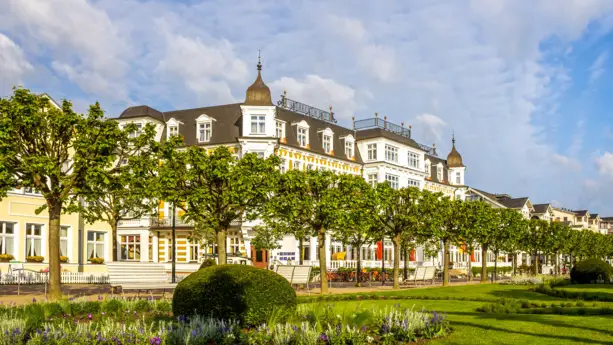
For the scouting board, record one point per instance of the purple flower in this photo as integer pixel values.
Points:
(99, 298)
(155, 341)
(33, 300)
(323, 337)
(89, 316)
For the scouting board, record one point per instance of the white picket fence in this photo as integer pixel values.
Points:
(41, 278)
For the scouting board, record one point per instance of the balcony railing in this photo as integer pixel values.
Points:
(305, 109)
(167, 222)
(376, 122)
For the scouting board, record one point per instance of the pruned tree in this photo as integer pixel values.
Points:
(476, 227)
(53, 150)
(124, 190)
(215, 189)
(534, 241)
(508, 228)
(450, 230)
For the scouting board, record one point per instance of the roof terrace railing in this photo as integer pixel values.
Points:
(306, 109)
(376, 122)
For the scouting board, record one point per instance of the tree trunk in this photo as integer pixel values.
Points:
(396, 240)
(406, 263)
(221, 248)
(483, 263)
(301, 251)
(495, 264)
(323, 270)
(55, 288)
(514, 264)
(556, 270)
(445, 263)
(358, 268)
(536, 263)
(114, 235)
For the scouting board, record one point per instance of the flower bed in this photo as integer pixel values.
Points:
(118, 321)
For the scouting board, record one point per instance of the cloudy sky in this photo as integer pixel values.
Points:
(525, 85)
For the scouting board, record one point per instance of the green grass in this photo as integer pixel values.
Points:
(472, 327)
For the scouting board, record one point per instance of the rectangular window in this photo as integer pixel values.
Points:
(372, 151)
(130, 248)
(173, 130)
(302, 137)
(64, 241)
(327, 142)
(306, 253)
(204, 132)
(34, 239)
(258, 124)
(372, 179)
(393, 180)
(95, 244)
(427, 170)
(139, 128)
(297, 165)
(439, 174)
(7, 238)
(260, 154)
(348, 148)
(413, 183)
(282, 166)
(391, 153)
(413, 160)
(194, 251)
(457, 177)
(234, 245)
(280, 130)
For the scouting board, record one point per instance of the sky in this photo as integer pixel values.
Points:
(525, 86)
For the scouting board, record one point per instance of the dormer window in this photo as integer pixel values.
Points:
(302, 136)
(173, 130)
(348, 148)
(439, 173)
(280, 129)
(427, 169)
(204, 132)
(258, 124)
(327, 143)
(457, 177)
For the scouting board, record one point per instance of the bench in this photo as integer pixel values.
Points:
(138, 276)
(296, 275)
(422, 274)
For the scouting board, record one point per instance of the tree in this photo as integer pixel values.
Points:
(535, 239)
(266, 238)
(397, 213)
(124, 191)
(358, 227)
(476, 228)
(508, 226)
(555, 242)
(451, 214)
(215, 189)
(53, 150)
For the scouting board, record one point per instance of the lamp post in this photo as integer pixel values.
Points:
(383, 261)
(173, 244)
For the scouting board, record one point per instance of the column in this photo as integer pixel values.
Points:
(156, 247)
(144, 245)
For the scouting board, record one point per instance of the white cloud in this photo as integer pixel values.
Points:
(566, 162)
(605, 165)
(597, 68)
(13, 64)
(432, 127)
(319, 92)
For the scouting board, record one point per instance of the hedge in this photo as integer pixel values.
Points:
(476, 270)
(239, 292)
(591, 271)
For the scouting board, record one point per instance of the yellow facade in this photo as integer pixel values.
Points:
(25, 233)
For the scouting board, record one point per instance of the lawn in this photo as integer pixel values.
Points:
(472, 327)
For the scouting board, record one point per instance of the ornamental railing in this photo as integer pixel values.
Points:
(163, 222)
(306, 109)
(376, 122)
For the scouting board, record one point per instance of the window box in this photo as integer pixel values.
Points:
(332, 153)
(64, 259)
(308, 147)
(6, 257)
(36, 258)
(96, 261)
(283, 140)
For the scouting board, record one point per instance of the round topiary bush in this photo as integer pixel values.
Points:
(591, 271)
(239, 292)
(208, 263)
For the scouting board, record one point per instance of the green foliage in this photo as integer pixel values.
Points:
(476, 270)
(112, 306)
(591, 271)
(236, 292)
(208, 263)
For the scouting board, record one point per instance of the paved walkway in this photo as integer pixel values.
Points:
(343, 288)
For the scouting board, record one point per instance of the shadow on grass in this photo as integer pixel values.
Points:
(540, 335)
(589, 287)
(522, 294)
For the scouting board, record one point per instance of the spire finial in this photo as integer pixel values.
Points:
(453, 138)
(259, 61)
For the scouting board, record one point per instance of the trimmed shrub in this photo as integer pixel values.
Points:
(208, 263)
(476, 270)
(591, 271)
(238, 292)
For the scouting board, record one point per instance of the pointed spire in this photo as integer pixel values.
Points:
(259, 61)
(453, 138)
(258, 93)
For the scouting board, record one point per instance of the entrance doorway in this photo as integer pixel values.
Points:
(259, 257)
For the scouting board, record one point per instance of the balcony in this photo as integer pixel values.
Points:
(166, 222)
(134, 223)
(376, 122)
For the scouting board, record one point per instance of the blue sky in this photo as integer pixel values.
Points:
(525, 85)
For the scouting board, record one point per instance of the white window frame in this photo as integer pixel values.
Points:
(173, 130)
(458, 177)
(282, 168)
(32, 237)
(427, 169)
(413, 183)
(349, 148)
(205, 131)
(280, 129)
(326, 143)
(5, 236)
(413, 159)
(194, 248)
(64, 239)
(139, 129)
(304, 136)
(391, 153)
(297, 165)
(373, 178)
(261, 154)
(372, 152)
(394, 180)
(134, 240)
(439, 173)
(257, 124)
(95, 242)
